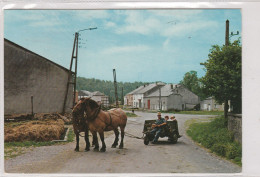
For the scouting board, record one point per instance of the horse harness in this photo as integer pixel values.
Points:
(96, 114)
(107, 125)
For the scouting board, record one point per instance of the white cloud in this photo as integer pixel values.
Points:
(166, 43)
(110, 24)
(125, 49)
(91, 14)
(156, 22)
(188, 28)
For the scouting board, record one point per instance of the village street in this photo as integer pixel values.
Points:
(183, 157)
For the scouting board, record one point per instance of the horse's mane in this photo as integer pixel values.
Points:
(93, 104)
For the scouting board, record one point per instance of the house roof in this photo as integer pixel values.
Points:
(136, 90)
(98, 93)
(18, 46)
(166, 90)
(90, 94)
(209, 98)
(84, 93)
(146, 88)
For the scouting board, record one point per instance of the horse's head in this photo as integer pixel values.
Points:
(78, 111)
(91, 107)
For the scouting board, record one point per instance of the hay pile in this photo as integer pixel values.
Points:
(39, 130)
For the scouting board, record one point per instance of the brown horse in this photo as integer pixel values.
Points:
(79, 124)
(100, 121)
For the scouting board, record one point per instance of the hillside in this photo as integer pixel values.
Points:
(106, 87)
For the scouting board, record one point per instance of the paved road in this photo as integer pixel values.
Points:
(183, 157)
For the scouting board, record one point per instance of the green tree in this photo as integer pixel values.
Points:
(106, 87)
(193, 83)
(223, 75)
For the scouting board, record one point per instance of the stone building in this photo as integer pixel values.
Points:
(97, 96)
(173, 97)
(210, 104)
(33, 82)
(169, 99)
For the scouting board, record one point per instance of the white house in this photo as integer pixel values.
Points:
(138, 96)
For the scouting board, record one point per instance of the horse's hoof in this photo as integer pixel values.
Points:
(113, 146)
(86, 150)
(121, 147)
(102, 150)
(76, 149)
(96, 149)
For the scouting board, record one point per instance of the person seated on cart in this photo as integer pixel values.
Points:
(166, 118)
(174, 119)
(158, 127)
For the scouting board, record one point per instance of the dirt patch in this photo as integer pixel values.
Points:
(44, 127)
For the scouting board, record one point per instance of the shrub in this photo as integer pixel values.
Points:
(215, 136)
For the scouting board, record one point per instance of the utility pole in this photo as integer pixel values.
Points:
(160, 99)
(226, 44)
(160, 85)
(73, 80)
(115, 84)
(227, 33)
(122, 96)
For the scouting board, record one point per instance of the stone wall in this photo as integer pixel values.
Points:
(235, 125)
(27, 74)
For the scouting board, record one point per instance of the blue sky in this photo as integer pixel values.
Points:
(142, 45)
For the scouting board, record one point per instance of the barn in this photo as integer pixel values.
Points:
(33, 83)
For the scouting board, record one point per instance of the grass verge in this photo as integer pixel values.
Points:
(215, 136)
(196, 112)
(129, 114)
(13, 149)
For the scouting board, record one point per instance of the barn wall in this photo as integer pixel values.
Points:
(27, 74)
(174, 102)
(188, 96)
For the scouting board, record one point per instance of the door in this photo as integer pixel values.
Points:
(148, 104)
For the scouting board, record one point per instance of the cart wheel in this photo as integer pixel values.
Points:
(146, 140)
(174, 138)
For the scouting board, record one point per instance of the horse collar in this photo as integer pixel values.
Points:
(95, 114)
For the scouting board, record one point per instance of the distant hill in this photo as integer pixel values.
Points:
(106, 87)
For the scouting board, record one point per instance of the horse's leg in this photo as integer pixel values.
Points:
(93, 142)
(122, 128)
(87, 140)
(77, 141)
(116, 138)
(103, 148)
(95, 139)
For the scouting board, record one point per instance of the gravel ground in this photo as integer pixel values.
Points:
(183, 157)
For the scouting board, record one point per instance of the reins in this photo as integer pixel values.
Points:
(133, 136)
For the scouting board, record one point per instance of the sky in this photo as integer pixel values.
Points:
(142, 45)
